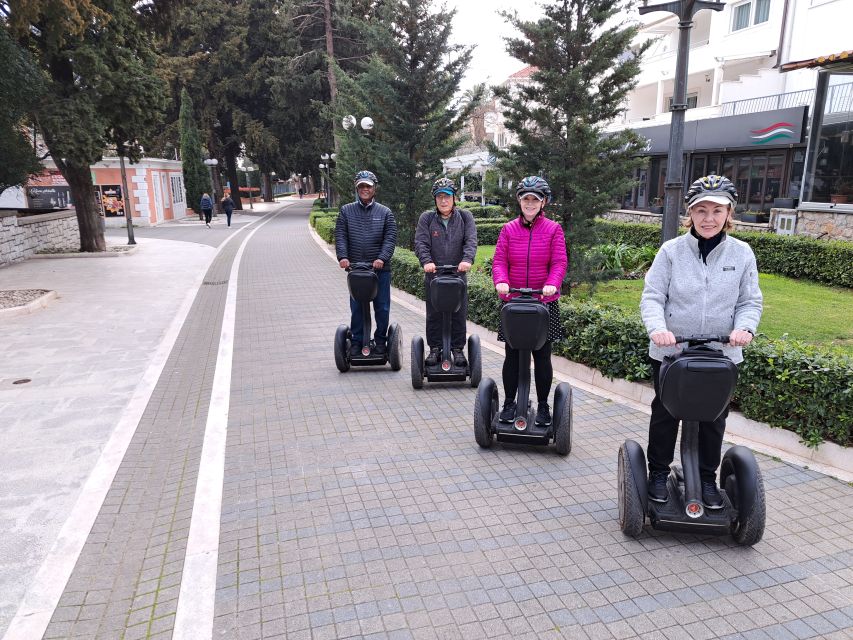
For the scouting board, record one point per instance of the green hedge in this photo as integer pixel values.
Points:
(783, 383)
(826, 261)
(490, 211)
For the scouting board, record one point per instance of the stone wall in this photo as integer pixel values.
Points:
(627, 215)
(22, 236)
(829, 225)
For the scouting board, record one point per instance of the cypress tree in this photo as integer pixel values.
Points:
(196, 178)
(584, 70)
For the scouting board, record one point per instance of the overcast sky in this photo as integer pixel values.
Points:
(477, 22)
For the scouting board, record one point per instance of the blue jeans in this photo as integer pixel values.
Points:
(381, 310)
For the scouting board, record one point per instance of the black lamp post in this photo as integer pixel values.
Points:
(685, 10)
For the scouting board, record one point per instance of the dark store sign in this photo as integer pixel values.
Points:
(766, 128)
(49, 197)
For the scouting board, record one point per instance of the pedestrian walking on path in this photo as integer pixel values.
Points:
(445, 235)
(228, 207)
(701, 282)
(531, 252)
(366, 231)
(206, 206)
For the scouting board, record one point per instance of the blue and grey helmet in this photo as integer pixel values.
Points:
(366, 177)
(443, 185)
(535, 185)
(715, 188)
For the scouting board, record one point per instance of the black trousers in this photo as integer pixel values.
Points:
(663, 432)
(208, 215)
(542, 375)
(457, 323)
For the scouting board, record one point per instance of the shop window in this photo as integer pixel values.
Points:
(832, 174)
(750, 13)
(742, 182)
(698, 168)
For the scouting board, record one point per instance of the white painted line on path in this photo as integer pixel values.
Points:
(197, 597)
(40, 601)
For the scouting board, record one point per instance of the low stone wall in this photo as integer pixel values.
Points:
(627, 215)
(23, 236)
(829, 225)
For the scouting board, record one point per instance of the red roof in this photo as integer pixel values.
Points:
(524, 73)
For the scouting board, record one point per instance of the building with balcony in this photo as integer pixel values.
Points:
(746, 119)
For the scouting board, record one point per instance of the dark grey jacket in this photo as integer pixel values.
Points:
(458, 242)
(365, 233)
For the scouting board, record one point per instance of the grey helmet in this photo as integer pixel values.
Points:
(535, 185)
(713, 187)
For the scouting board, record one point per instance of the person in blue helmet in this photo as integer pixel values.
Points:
(366, 231)
(445, 235)
(702, 282)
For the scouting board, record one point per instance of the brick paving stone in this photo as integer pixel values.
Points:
(355, 506)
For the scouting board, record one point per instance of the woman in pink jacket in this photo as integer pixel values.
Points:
(531, 252)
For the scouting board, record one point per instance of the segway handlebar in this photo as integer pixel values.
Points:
(360, 266)
(701, 339)
(446, 269)
(526, 291)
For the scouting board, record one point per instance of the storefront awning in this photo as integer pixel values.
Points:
(833, 59)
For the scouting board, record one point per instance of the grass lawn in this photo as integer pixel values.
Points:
(483, 252)
(804, 310)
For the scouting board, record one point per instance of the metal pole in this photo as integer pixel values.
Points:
(249, 184)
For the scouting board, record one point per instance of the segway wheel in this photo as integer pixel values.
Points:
(395, 347)
(485, 408)
(741, 478)
(475, 361)
(341, 348)
(417, 362)
(631, 510)
(563, 418)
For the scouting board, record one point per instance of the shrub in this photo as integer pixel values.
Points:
(799, 388)
(826, 261)
(491, 211)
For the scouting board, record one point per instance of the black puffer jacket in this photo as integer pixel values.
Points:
(365, 233)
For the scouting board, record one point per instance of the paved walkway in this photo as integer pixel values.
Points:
(347, 505)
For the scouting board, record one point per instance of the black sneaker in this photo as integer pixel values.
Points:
(657, 486)
(711, 497)
(459, 358)
(508, 412)
(379, 349)
(433, 357)
(355, 350)
(543, 414)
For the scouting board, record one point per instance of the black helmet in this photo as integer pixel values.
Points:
(715, 188)
(443, 185)
(535, 185)
(366, 176)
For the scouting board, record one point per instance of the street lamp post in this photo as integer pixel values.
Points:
(211, 163)
(685, 10)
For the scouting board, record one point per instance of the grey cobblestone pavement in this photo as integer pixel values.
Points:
(355, 506)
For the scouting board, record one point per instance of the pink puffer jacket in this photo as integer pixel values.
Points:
(530, 256)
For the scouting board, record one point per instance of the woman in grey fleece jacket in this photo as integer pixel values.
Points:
(703, 282)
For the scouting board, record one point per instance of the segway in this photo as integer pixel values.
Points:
(695, 386)
(363, 287)
(525, 327)
(446, 292)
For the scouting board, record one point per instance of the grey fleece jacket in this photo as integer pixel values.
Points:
(684, 295)
(446, 245)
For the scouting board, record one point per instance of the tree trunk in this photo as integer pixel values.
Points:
(127, 196)
(231, 172)
(267, 187)
(79, 178)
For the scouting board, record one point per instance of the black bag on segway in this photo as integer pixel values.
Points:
(697, 384)
(363, 284)
(525, 324)
(445, 293)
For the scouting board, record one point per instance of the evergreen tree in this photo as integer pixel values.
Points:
(407, 88)
(20, 85)
(97, 59)
(584, 70)
(196, 178)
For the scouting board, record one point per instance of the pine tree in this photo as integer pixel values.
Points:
(584, 70)
(20, 85)
(196, 178)
(407, 88)
(96, 59)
